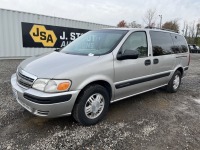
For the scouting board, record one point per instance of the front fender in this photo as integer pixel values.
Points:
(96, 78)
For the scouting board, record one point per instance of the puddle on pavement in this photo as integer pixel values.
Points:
(128, 109)
(36, 121)
(160, 103)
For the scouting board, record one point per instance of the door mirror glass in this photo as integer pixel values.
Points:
(128, 54)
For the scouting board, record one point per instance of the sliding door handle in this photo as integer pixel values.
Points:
(155, 61)
(147, 62)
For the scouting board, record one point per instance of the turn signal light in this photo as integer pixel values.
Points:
(63, 86)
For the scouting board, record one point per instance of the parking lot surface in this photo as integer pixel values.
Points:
(154, 120)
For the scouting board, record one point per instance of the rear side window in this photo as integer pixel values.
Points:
(162, 43)
(180, 45)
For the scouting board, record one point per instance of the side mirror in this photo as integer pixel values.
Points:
(128, 54)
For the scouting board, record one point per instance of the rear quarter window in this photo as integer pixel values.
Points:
(180, 45)
(162, 43)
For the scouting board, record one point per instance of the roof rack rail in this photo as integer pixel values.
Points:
(149, 27)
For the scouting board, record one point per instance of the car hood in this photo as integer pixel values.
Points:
(51, 64)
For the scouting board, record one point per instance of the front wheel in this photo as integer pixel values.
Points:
(175, 82)
(92, 105)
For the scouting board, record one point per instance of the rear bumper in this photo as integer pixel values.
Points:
(44, 104)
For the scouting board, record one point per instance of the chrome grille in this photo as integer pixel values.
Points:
(24, 84)
(24, 79)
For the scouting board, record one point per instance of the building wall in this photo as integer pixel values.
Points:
(11, 43)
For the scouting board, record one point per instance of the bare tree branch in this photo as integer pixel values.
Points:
(134, 25)
(150, 17)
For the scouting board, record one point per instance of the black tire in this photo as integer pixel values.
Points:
(79, 107)
(170, 87)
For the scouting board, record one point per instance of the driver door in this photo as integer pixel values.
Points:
(130, 74)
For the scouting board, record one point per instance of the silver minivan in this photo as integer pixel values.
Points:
(99, 68)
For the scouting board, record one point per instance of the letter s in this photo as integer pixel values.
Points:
(72, 36)
(42, 35)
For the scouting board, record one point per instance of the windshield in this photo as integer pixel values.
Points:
(95, 43)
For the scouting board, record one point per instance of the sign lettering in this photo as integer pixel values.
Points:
(46, 36)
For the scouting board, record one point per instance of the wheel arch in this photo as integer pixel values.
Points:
(181, 70)
(103, 81)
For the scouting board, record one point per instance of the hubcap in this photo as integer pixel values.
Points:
(94, 106)
(176, 82)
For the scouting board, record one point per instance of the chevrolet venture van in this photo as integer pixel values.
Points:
(99, 68)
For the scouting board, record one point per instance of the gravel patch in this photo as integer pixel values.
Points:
(153, 120)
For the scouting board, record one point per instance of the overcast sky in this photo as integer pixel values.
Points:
(109, 12)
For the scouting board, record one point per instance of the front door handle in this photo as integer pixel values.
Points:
(155, 61)
(147, 62)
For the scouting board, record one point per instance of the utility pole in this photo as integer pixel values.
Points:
(160, 21)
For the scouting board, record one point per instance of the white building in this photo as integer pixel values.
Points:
(25, 34)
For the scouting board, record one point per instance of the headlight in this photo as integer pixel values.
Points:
(52, 85)
(40, 84)
(57, 86)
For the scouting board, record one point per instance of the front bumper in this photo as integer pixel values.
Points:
(48, 105)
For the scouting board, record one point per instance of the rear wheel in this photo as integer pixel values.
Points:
(92, 105)
(174, 83)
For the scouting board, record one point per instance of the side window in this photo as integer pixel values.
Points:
(162, 43)
(137, 41)
(180, 45)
